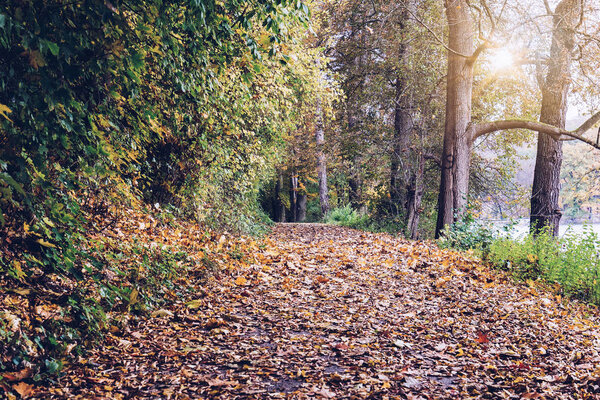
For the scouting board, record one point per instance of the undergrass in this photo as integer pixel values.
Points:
(571, 263)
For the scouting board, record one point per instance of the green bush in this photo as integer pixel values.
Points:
(346, 216)
(469, 234)
(571, 261)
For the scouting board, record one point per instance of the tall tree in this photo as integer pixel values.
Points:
(456, 153)
(321, 160)
(545, 210)
(460, 132)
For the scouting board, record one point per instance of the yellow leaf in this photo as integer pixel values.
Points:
(4, 110)
(45, 243)
(194, 304)
(133, 297)
(16, 266)
(241, 281)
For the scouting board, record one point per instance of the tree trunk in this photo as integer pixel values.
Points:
(321, 161)
(401, 175)
(456, 153)
(402, 129)
(545, 211)
(354, 195)
(278, 206)
(353, 174)
(403, 125)
(415, 196)
(301, 207)
(293, 197)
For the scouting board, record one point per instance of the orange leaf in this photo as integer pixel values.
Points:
(24, 389)
(19, 375)
(241, 281)
(482, 337)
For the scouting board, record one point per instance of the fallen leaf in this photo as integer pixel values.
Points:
(161, 313)
(241, 281)
(19, 375)
(24, 389)
(482, 337)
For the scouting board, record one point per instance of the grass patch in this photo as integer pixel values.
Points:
(571, 263)
(351, 218)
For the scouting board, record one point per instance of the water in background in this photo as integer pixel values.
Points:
(521, 229)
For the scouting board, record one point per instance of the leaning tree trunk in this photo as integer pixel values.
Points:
(456, 153)
(321, 161)
(545, 211)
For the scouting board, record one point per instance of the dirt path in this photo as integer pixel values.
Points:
(328, 312)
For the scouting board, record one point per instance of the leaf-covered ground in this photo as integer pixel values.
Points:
(326, 312)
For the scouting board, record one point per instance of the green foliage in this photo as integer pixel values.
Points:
(105, 105)
(375, 222)
(572, 261)
(468, 234)
(346, 216)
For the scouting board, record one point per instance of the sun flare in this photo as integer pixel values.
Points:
(501, 59)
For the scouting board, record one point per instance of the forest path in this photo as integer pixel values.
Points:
(329, 312)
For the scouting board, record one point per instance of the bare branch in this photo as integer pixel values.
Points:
(588, 124)
(490, 15)
(480, 49)
(548, 9)
(484, 128)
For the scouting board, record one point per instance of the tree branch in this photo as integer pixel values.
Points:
(435, 36)
(484, 128)
(548, 9)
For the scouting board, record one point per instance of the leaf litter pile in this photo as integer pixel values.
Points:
(323, 312)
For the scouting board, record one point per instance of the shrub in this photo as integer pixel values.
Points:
(468, 234)
(346, 216)
(571, 261)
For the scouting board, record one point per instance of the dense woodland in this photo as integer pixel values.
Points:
(218, 118)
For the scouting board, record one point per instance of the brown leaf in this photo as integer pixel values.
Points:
(216, 382)
(482, 337)
(24, 389)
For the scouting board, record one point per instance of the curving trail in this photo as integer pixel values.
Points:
(324, 312)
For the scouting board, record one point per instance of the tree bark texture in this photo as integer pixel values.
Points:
(403, 125)
(278, 206)
(456, 153)
(301, 207)
(293, 197)
(545, 210)
(321, 161)
(415, 196)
